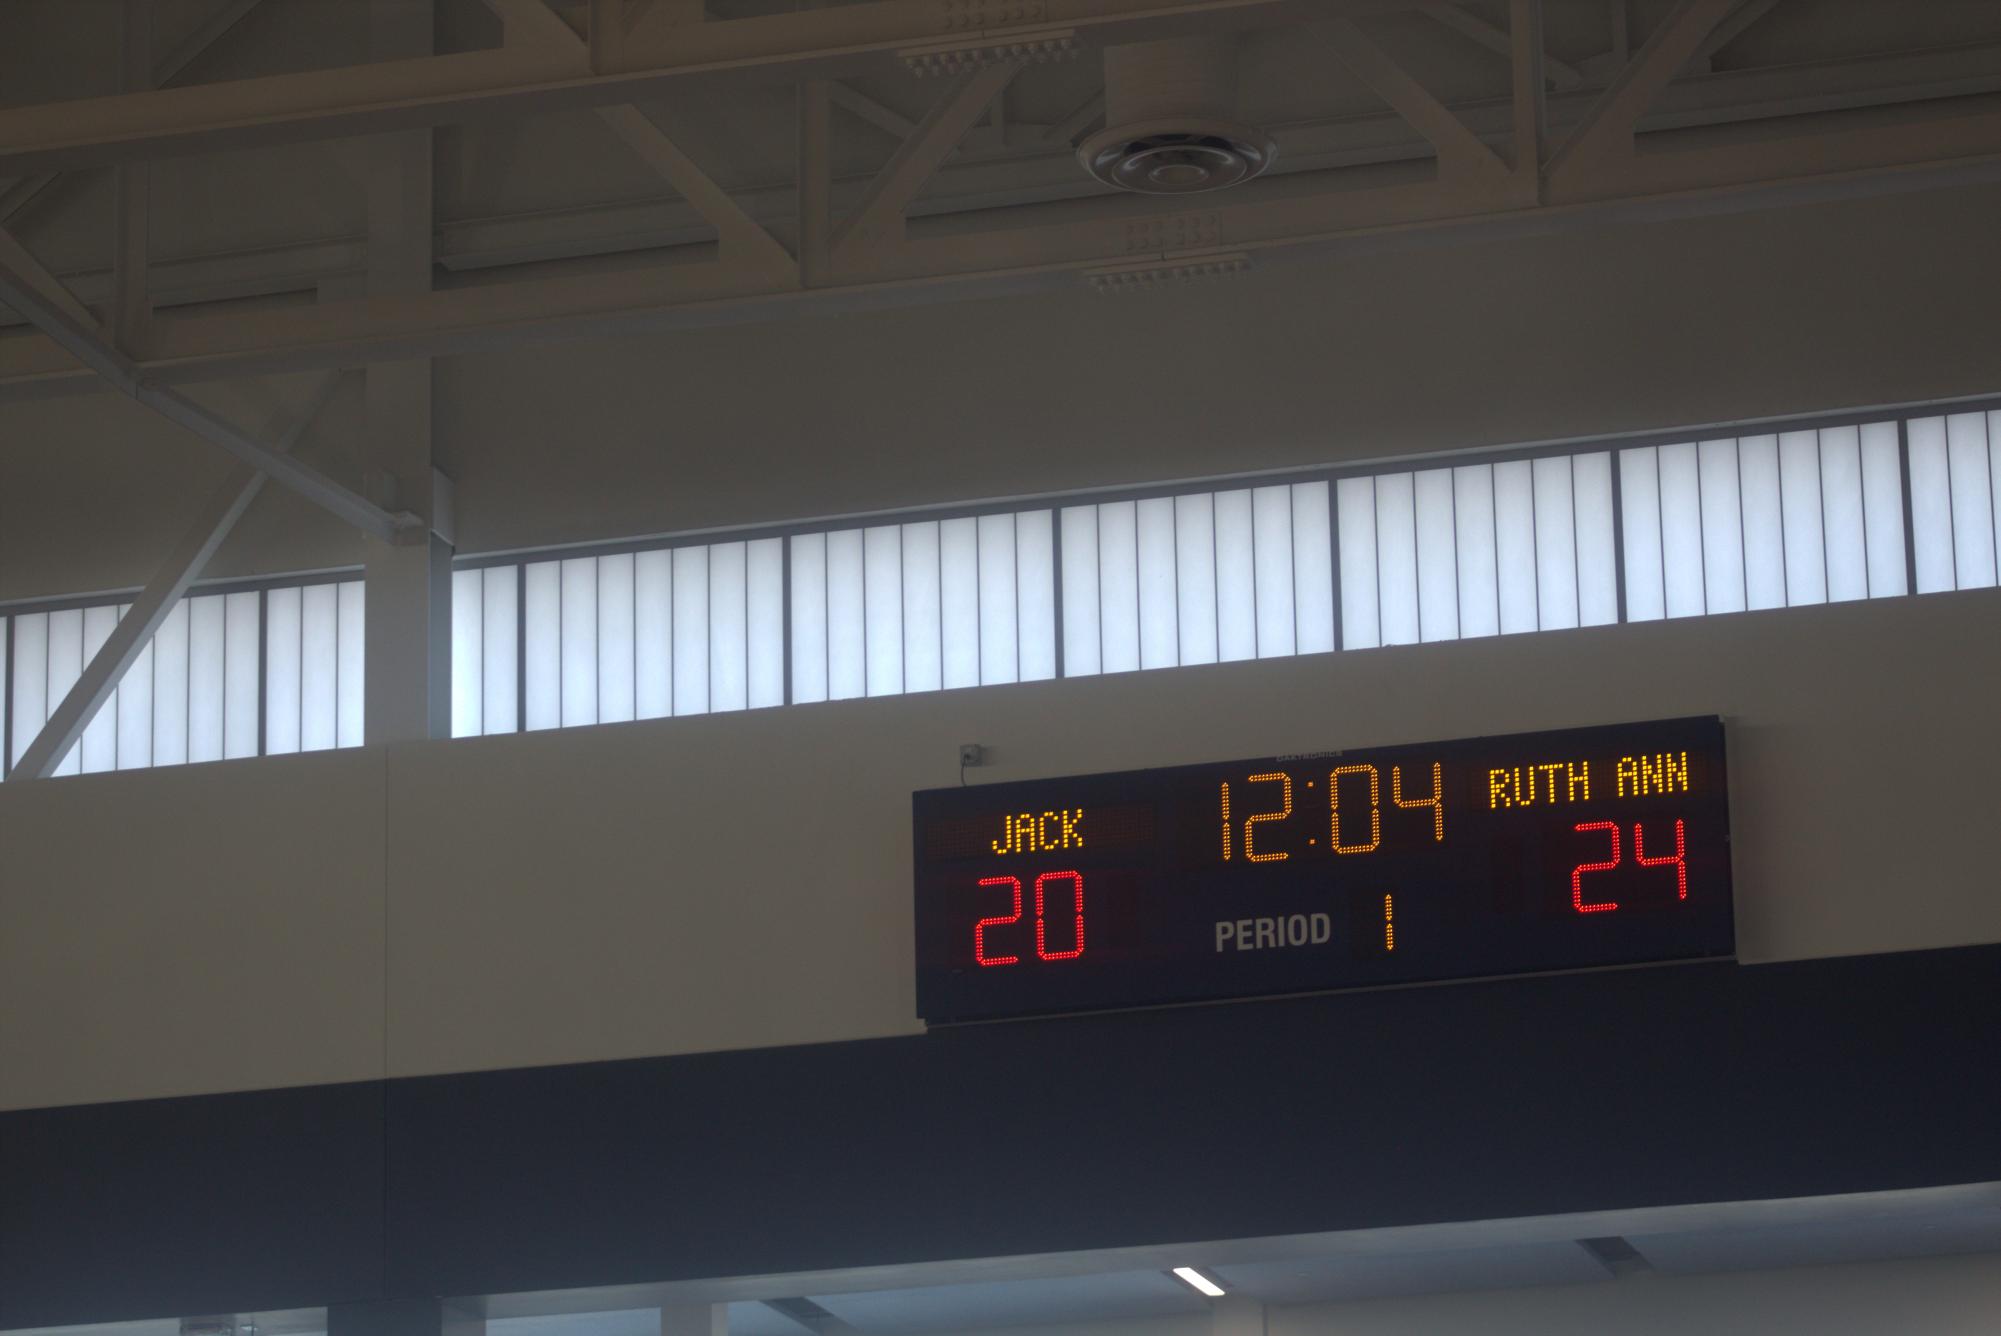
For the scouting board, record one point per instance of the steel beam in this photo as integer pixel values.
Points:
(32, 291)
(1960, 144)
(1072, 127)
(607, 33)
(814, 198)
(213, 29)
(522, 79)
(1733, 27)
(1531, 103)
(532, 22)
(1487, 35)
(1608, 128)
(737, 232)
(1029, 175)
(890, 122)
(165, 71)
(131, 305)
(878, 220)
(407, 670)
(1461, 153)
(183, 565)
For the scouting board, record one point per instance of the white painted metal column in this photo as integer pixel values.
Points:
(409, 578)
(1235, 1316)
(694, 1319)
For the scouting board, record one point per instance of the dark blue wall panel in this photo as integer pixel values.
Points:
(1621, 1089)
(1595, 1091)
(213, 1204)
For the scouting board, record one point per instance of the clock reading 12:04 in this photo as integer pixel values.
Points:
(1451, 860)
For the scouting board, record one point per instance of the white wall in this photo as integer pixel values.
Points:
(743, 880)
(1439, 347)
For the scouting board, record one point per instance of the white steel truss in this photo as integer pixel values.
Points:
(1557, 153)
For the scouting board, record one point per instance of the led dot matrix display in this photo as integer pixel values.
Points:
(1464, 859)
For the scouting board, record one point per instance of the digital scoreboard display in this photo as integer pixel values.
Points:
(1449, 860)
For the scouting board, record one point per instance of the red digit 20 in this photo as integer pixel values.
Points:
(1076, 880)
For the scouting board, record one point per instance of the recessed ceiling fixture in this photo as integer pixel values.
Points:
(1199, 1281)
(1171, 124)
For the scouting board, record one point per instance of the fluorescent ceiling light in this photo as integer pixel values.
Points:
(1199, 1281)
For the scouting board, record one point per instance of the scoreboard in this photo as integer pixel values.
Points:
(1491, 856)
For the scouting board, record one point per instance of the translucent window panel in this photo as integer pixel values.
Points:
(1967, 460)
(578, 598)
(1931, 505)
(1312, 569)
(205, 671)
(729, 627)
(319, 664)
(617, 648)
(1396, 559)
(1236, 577)
(97, 749)
(499, 624)
(847, 628)
(284, 661)
(1764, 524)
(351, 642)
(134, 702)
(1000, 647)
(1118, 586)
(1994, 482)
(1195, 576)
(1722, 526)
(1437, 559)
(809, 617)
(923, 619)
(1159, 617)
(764, 635)
(959, 583)
(1555, 544)
(468, 647)
(1800, 517)
(1515, 545)
(1271, 510)
(1883, 509)
(240, 677)
(31, 679)
(1035, 594)
(170, 688)
(1680, 490)
(1361, 625)
(653, 633)
(1080, 591)
(63, 665)
(1842, 518)
(543, 639)
(1473, 523)
(1591, 509)
(691, 630)
(882, 600)
(1640, 517)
